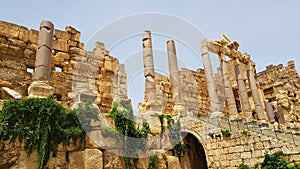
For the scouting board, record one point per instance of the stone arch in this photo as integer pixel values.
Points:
(195, 155)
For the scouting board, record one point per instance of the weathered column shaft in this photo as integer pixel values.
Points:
(228, 87)
(44, 52)
(280, 115)
(243, 92)
(211, 86)
(255, 95)
(150, 87)
(174, 73)
(270, 111)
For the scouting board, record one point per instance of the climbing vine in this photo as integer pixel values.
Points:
(174, 133)
(272, 161)
(124, 125)
(41, 124)
(170, 121)
(152, 161)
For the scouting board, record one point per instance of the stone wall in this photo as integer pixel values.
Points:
(72, 68)
(194, 92)
(281, 86)
(248, 143)
(75, 72)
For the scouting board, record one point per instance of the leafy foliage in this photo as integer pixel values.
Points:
(226, 133)
(244, 166)
(274, 161)
(124, 125)
(174, 133)
(245, 132)
(152, 162)
(170, 120)
(41, 124)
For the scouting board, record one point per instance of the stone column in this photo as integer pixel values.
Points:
(44, 52)
(210, 81)
(228, 87)
(174, 73)
(270, 111)
(243, 91)
(256, 98)
(40, 87)
(150, 86)
(280, 115)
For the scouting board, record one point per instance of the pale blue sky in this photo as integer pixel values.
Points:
(269, 30)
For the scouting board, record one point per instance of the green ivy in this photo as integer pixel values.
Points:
(244, 166)
(226, 133)
(245, 132)
(174, 133)
(153, 161)
(170, 121)
(123, 116)
(272, 161)
(275, 161)
(41, 124)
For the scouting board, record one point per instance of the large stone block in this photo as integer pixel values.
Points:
(57, 162)
(26, 162)
(33, 36)
(61, 45)
(9, 30)
(173, 162)
(111, 160)
(58, 34)
(87, 159)
(93, 159)
(8, 158)
(152, 117)
(143, 163)
(111, 64)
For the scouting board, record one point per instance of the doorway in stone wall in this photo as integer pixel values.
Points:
(194, 156)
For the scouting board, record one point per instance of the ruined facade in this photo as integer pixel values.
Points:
(237, 98)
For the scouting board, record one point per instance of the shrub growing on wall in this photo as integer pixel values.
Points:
(41, 124)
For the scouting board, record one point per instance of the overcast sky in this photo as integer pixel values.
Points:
(266, 29)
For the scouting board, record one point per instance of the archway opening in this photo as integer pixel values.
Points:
(194, 155)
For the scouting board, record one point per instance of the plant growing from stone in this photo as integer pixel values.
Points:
(41, 124)
(225, 132)
(124, 126)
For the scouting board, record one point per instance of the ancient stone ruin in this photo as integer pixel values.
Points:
(260, 109)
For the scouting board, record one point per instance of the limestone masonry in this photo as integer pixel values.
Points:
(260, 109)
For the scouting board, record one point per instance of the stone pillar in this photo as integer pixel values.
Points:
(174, 73)
(280, 115)
(255, 94)
(44, 52)
(270, 111)
(228, 87)
(40, 86)
(243, 92)
(210, 81)
(150, 88)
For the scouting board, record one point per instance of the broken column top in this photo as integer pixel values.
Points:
(147, 35)
(47, 24)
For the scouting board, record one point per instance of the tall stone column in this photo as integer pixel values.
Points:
(280, 115)
(255, 94)
(228, 87)
(150, 86)
(210, 81)
(174, 73)
(40, 86)
(44, 52)
(243, 91)
(270, 111)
